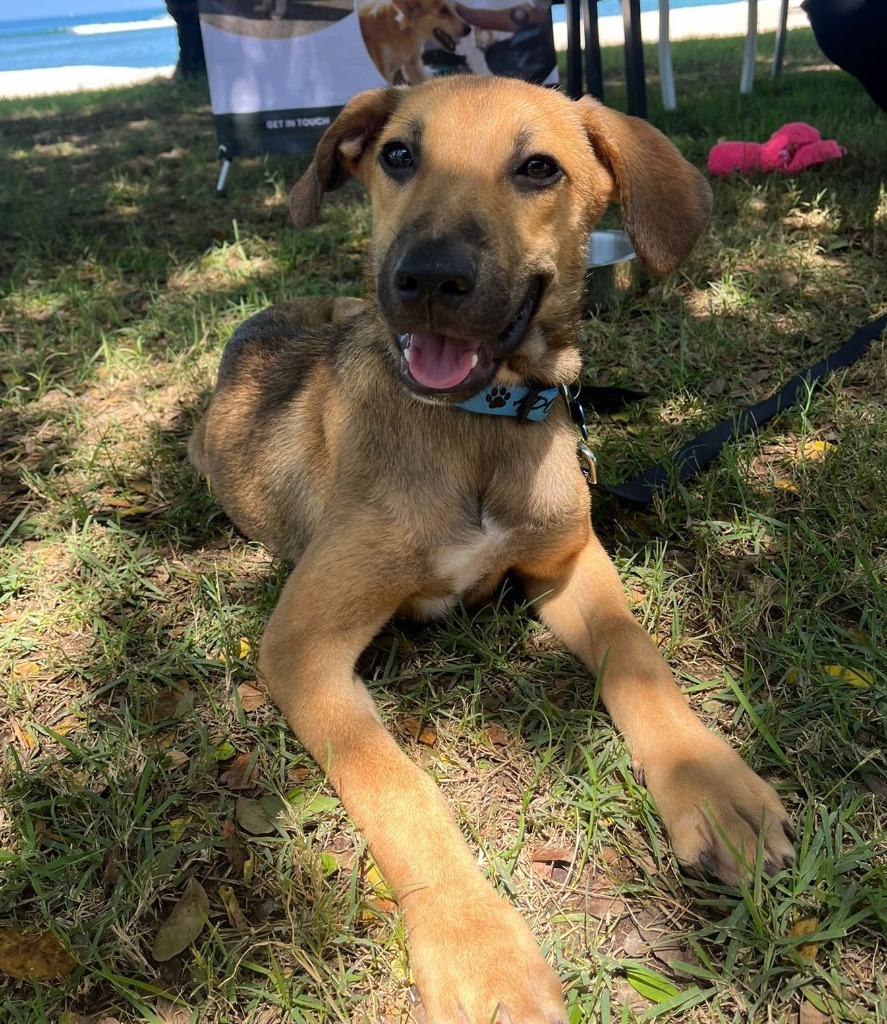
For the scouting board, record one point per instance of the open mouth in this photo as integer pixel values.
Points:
(444, 364)
(445, 40)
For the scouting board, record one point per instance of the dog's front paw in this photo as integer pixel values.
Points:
(476, 962)
(714, 808)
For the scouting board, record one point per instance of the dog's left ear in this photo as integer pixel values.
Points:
(665, 201)
(340, 150)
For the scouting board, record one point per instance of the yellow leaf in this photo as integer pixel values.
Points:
(232, 908)
(33, 955)
(784, 484)
(816, 451)
(243, 650)
(177, 827)
(374, 877)
(26, 739)
(68, 724)
(806, 926)
(25, 669)
(855, 677)
(424, 734)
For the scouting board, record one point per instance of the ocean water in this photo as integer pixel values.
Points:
(136, 39)
(142, 39)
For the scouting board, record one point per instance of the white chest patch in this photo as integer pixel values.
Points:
(463, 564)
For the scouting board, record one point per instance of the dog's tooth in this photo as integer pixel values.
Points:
(407, 353)
(474, 359)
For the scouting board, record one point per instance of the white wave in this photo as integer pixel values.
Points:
(106, 27)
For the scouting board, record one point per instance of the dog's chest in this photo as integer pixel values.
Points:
(470, 566)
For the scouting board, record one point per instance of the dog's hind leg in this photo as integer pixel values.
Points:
(712, 804)
(471, 952)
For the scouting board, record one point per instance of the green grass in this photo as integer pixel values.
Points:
(130, 610)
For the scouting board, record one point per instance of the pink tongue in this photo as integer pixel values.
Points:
(438, 361)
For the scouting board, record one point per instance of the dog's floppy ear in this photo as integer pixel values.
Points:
(665, 201)
(339, 151)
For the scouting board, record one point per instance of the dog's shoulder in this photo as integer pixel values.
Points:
(291, 336)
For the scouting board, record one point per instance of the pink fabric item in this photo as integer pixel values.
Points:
(790, 149)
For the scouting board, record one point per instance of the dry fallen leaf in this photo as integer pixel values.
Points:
(806, 926)
(168, 702)
(25, 739)
(258, 817)
(251, 697)
(25, 670)
(33, 955)
(232, 908)
(808, 1014)
(424, 734)
(67, 725)
(176, 758)
(235, 851)
(876, 785)
(242, 773)
(496, 734)
(185, 922)
(169, 1012)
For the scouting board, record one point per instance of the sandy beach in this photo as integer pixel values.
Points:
(684, 23)
(80, 78)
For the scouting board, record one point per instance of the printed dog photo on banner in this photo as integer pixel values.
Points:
(281, 70)
(411, 41)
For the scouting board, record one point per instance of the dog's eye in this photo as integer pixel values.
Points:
(541, 169)
(396, 156)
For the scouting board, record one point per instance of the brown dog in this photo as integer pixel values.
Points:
(335, 438)
(395, 31)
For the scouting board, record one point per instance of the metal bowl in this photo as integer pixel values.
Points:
(613, 270)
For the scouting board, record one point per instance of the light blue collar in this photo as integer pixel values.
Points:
(519, 402)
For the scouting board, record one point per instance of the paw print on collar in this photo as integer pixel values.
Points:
(497, 397)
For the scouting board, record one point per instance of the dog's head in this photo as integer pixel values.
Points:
(433, 18)
(484, 191)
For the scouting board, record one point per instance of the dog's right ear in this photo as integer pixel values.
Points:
(340, 150)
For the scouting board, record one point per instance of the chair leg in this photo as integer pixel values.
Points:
(594, 74)
(634, 58)
(781, 33)
(574, 49)
(666, 69)
(747, 78)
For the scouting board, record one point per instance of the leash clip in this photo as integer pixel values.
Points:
(577, 413)
(587, 460)
(587, 463)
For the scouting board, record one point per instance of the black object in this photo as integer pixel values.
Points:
(696, 454)
(528, 54)
(853, 34)
(586, 13)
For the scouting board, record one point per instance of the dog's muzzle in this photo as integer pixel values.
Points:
(453, 324)
(446, 364)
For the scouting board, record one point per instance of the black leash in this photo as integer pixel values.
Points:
(696, 454)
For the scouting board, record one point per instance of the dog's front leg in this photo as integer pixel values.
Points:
(712, 804)
(471, 952)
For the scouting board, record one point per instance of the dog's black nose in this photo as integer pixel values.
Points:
(441, 272)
